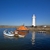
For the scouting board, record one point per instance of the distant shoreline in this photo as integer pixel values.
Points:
(3, 26)
(37, 28)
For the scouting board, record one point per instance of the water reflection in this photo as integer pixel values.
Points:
(33, 38)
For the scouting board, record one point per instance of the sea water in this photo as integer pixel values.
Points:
(32, 41)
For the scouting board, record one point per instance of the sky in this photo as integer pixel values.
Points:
(19, 12)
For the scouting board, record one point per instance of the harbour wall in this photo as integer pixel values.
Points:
(39, 28)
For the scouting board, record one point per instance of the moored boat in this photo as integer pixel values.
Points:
(8, 34)
(21, 31)
(22, 36)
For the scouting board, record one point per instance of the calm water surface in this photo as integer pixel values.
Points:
(32, 41)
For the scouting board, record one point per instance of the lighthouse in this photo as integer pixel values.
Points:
(33, 20)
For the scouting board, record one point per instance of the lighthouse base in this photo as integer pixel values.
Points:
(34, 26)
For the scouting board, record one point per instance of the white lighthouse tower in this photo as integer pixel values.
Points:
(33, 20)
